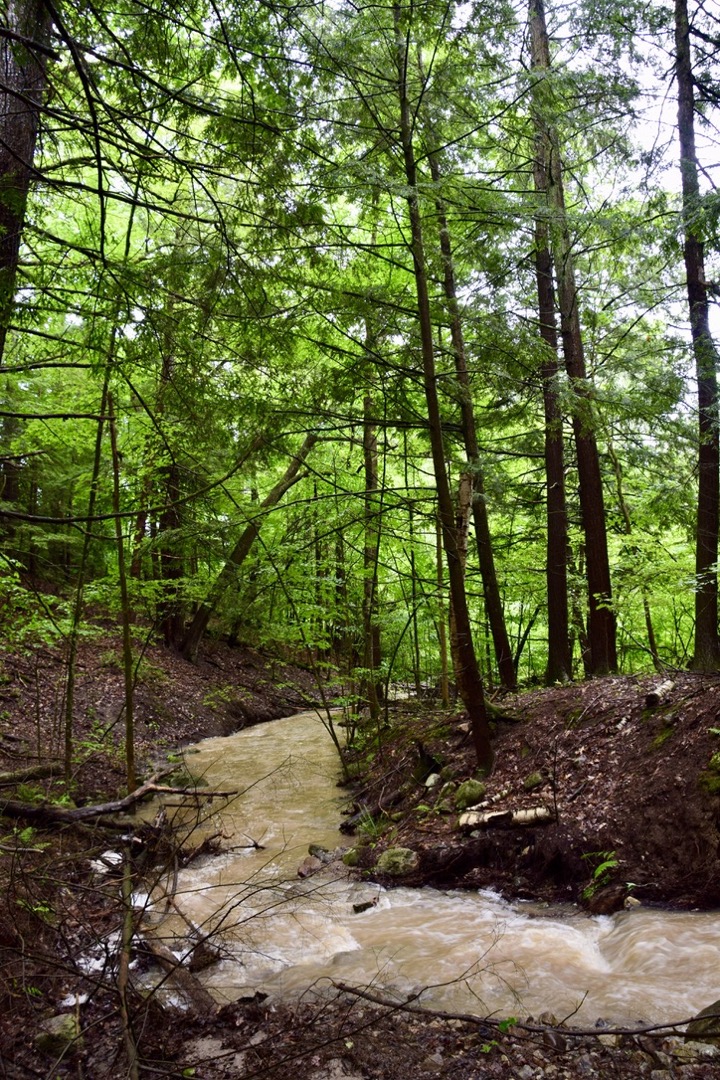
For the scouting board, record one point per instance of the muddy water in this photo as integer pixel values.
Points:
(473, 951)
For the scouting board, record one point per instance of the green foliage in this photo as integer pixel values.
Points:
(373, 828)
(606, 862)
(220, 697)
(710, 782)
(248, 277)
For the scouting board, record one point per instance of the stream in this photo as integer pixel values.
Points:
(474, 952)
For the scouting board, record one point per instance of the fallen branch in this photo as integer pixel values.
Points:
(658, 1030)
(49, 813)
(30, 772)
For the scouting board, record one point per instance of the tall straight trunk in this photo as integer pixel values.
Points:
(491, 589)
(198, 626)
(470, 684)
(462, 522)
(171, 560)
(23, 78)
(559, 659)
(371, 547)
(413, 574)
(442, 625)
(126, 613)
(601, 617)
(707, 645)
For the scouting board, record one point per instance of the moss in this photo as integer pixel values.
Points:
(710, 782)
(469, 793)
(662, 737)
(534, 780)
(573, 718)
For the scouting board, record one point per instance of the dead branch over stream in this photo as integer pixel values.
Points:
(51, 814)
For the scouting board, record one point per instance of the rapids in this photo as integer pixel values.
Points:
(473, 952)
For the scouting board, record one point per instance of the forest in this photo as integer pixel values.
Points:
(357, 356)
(375, 335)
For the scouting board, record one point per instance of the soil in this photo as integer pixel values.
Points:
(633, 794)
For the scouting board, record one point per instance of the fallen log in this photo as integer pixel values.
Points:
(51, 814)
(659, 694)
(31, 772)
(508, 819)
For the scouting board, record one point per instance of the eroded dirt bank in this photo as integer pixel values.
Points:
(630, 794)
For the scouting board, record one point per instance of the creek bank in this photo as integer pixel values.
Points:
(596, 796)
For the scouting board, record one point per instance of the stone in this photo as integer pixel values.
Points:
(320, 852)
(534, 780)
(204, 955)
(397, 861)
(351, 857)
(691, 1051)
(705, 1027)
(310, 865)
(59, 1035)
(469, 793)
(433, 780)
(364, 905)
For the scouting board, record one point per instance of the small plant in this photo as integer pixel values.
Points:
(372, 827)
(601, 875)
(220, 697)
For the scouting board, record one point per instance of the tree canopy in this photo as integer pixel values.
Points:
(290, 296)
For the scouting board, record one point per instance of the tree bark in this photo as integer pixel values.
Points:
(371, 546)
(195, 631)
(707, 643)
(559, 659)
(601, 617)
(23, 80)
(470, 683)
(486, 559)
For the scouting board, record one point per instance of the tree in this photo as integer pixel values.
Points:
(706, 656)
(470, 684)
(601, 621)
(486, 558)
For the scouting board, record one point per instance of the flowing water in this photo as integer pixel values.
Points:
(473, 952)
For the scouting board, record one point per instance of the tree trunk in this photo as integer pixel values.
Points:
(491, 589)
(707, 644)
(23, 58)
(195, 631)
(559, 659)
(470, 684)
(126, 614)
(442, 632)
(371, 545)
(462, 520)
(601, 617)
